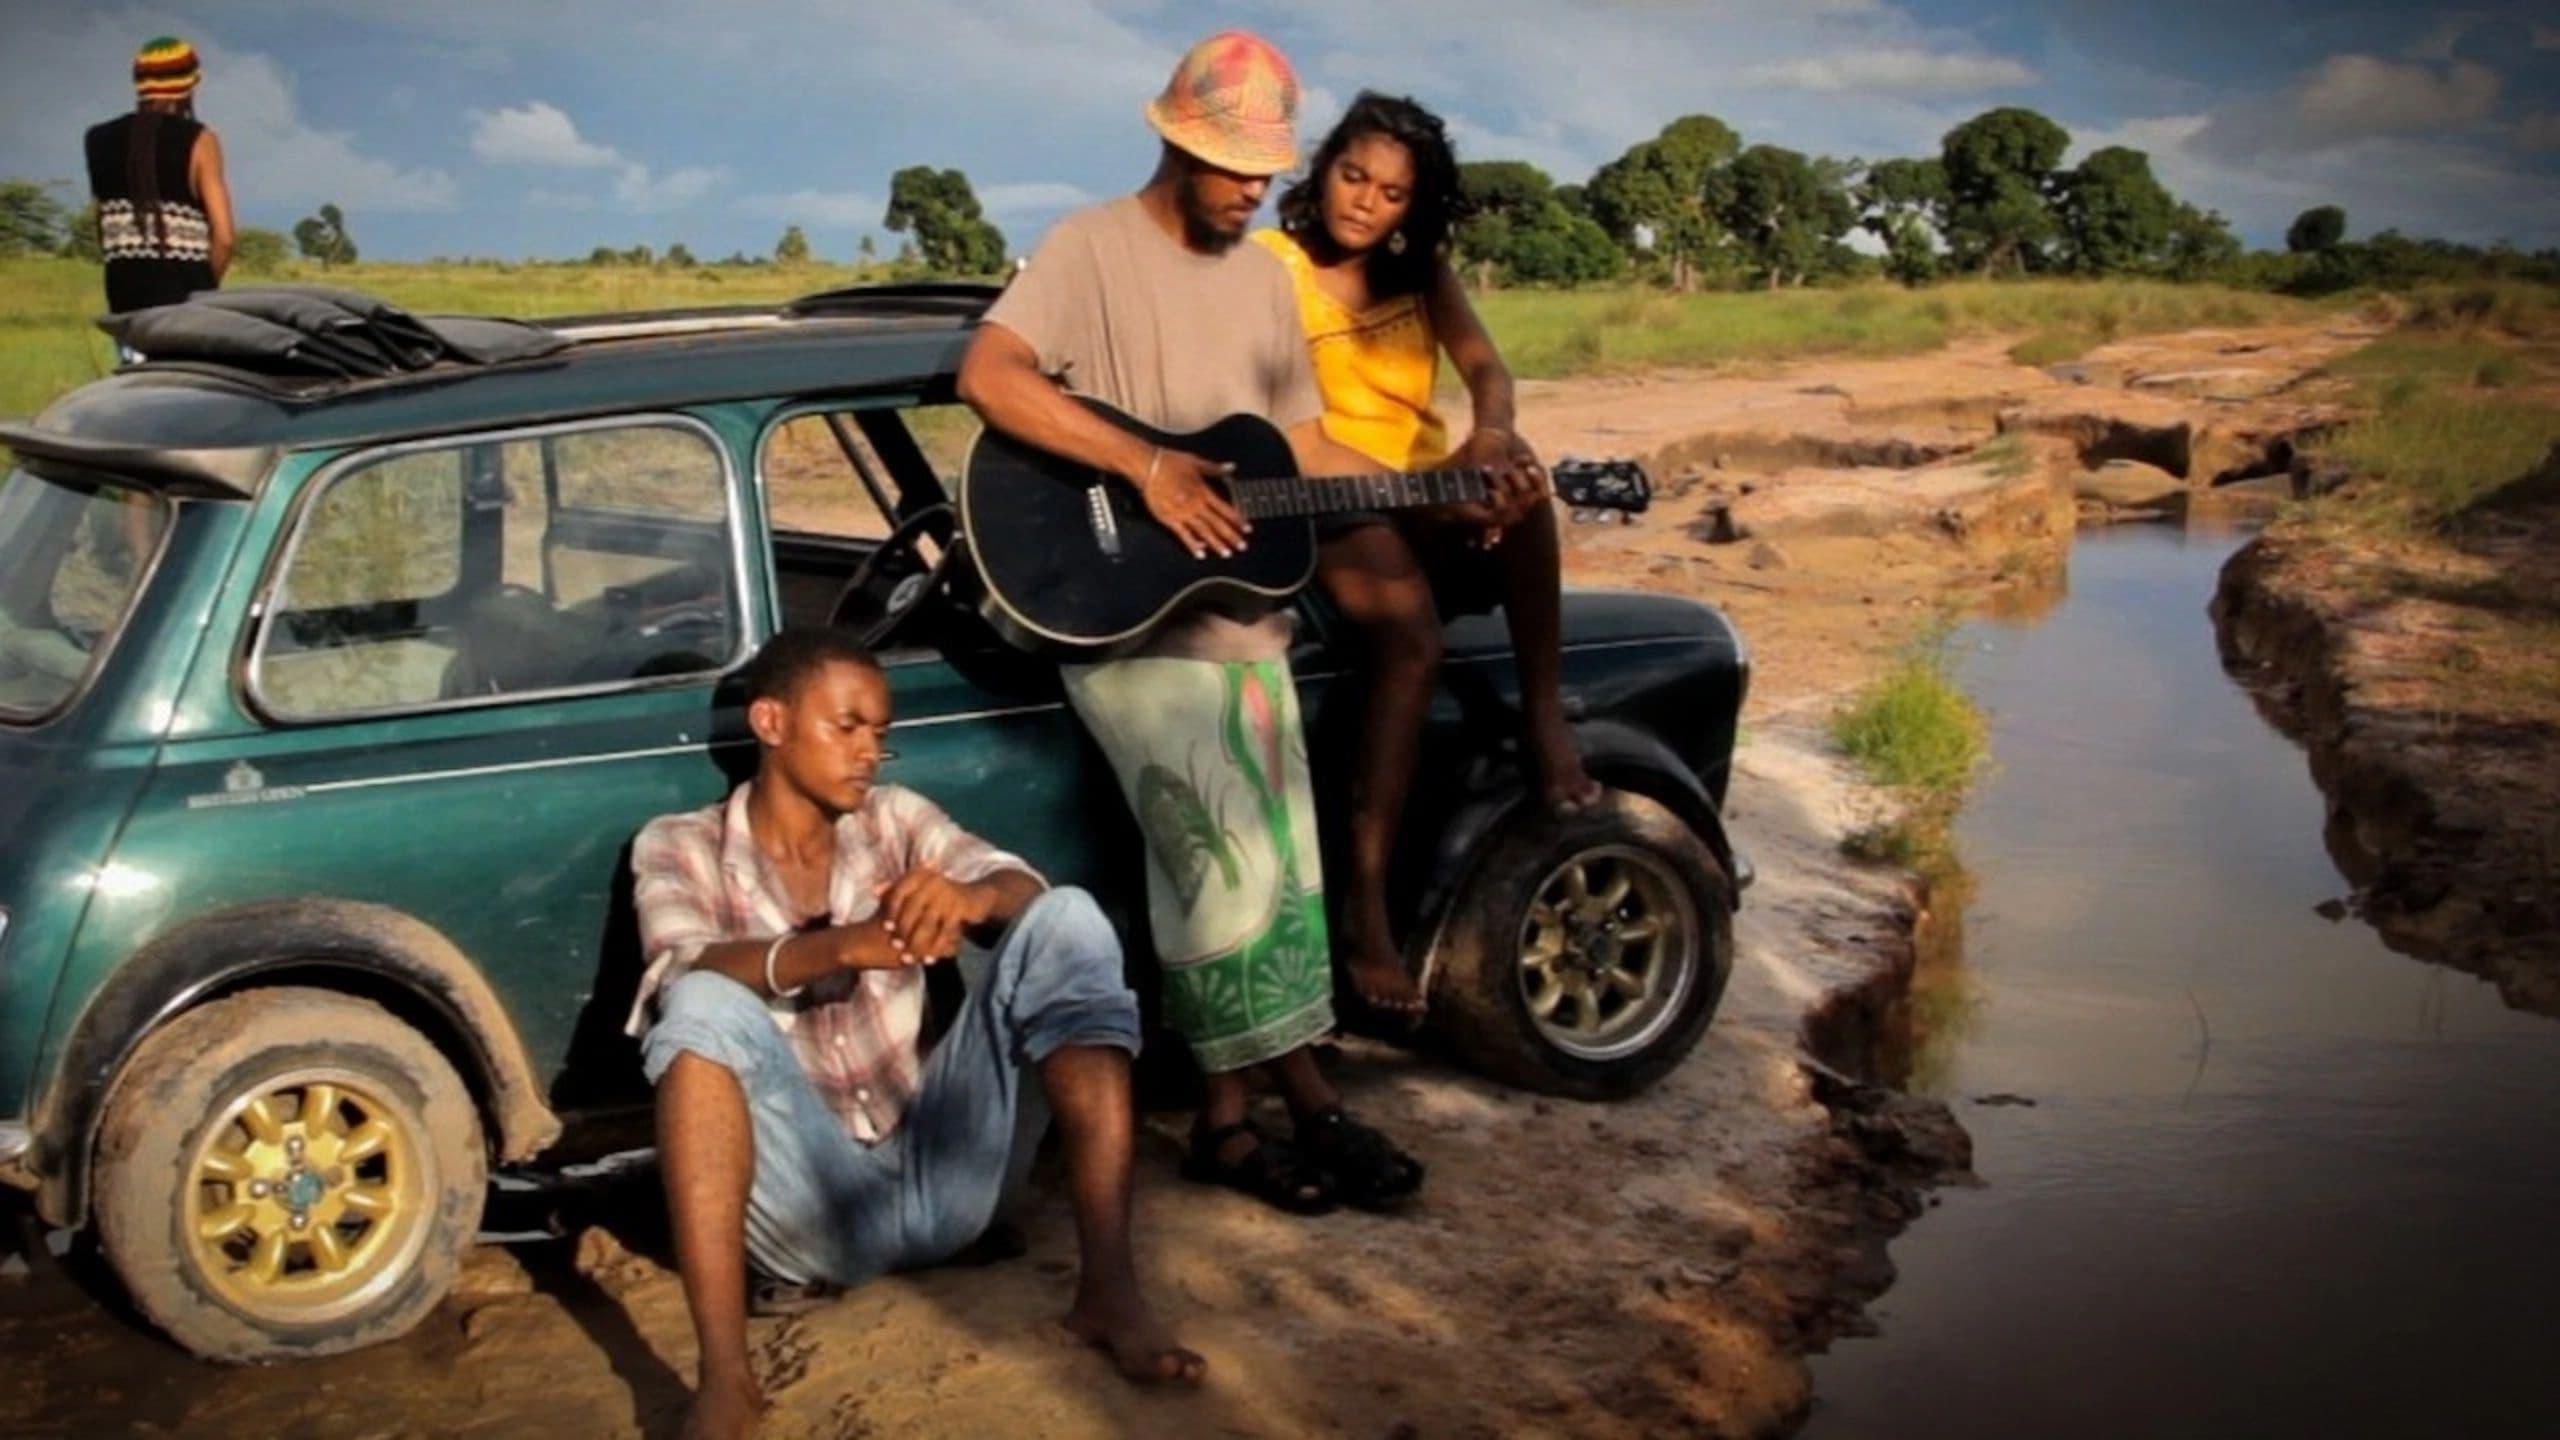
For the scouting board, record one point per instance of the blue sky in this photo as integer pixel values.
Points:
(546, 127)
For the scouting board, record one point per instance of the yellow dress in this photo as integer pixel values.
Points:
(1376, 367)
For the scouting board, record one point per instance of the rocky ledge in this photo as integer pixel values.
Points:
(2421, 680)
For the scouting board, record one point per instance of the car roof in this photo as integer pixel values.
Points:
(215, 430)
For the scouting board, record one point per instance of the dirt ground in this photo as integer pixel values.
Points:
(1652, 1267)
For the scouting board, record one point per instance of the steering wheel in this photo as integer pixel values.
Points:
(675, 639)
(895, 579)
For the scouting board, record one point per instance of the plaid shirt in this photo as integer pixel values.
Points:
(701, 880)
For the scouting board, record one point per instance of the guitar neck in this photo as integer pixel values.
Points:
(1311, 495)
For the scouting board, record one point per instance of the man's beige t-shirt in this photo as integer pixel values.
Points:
(1117, 309)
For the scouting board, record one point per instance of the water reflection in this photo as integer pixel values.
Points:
(2276, 1179)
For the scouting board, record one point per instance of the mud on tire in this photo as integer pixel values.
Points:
(1585, 957)
(288, 1172)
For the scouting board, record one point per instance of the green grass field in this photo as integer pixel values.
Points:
(2457, 402)
(48, 345)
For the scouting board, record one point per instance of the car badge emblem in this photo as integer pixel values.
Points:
(243, 778)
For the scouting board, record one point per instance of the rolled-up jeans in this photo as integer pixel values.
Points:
(824, 1206)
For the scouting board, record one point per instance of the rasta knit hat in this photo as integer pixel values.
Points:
(1233, 101)
(166, 69)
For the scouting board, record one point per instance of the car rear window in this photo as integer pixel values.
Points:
(528, 563)
(73, 556)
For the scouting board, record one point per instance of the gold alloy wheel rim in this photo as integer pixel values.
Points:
(305, 1198)
(1608, 952)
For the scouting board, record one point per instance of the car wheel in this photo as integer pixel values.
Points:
(1585, 956)
(288, 1172)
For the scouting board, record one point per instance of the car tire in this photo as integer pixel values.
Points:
(246, 1113)
(1538, 980)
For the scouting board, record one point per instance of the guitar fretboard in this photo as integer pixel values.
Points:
(1334, 494)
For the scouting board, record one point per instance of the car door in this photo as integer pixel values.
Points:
(475, 667)
(982, 729)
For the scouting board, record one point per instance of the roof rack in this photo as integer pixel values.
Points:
(960, 299)
(645, 324)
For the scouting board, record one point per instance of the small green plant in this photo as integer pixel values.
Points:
(2005, 456)
(1914, 728)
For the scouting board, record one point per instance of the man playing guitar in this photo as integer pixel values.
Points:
(1149, 302)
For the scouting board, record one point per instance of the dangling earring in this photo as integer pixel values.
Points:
(1395, 242)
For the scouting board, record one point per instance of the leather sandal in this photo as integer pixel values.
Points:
(1271, 1171)
(1368, 1169)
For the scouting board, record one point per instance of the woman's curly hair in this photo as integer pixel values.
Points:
(1437, 205)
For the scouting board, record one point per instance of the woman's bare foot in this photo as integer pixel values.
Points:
(1378, 973)
(725, 1410)
(1565, 787)
(1119, 1321)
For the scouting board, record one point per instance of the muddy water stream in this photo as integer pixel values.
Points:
(2274, 1179)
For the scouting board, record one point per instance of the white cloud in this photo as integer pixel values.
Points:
(2424, 185)
(2352, 98)
(833, 209)
(2439, 43)
(1903, 72)
(2358, 95)
(536, 133)
(274, 155)
(638, 189)
(1033, 197)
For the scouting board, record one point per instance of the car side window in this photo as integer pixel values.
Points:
(822, 478)
(570, 559)
(944, 434)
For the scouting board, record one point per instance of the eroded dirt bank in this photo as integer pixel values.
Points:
(2420, 679)
(1653, 1267)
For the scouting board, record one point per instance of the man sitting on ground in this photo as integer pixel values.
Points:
(800, 1121)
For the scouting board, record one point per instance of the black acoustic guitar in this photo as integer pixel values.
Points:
(1072, 565)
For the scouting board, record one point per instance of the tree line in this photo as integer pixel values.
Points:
(1691, 207)
(1694, 206)
(35, 221)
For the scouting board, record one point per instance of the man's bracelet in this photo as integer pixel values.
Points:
(773, 986)
(1155, 454)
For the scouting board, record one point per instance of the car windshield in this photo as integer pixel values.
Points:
(72, 557)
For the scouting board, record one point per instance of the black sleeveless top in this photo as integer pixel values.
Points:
(158, 252)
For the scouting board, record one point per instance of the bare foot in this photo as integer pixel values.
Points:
(1379, 976)
(725, 1410)
(1138, 1343)
(1565, 786)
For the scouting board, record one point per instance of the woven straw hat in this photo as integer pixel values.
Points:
(1233, 101)
(166, 69)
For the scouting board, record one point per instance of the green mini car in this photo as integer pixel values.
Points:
(329, 708)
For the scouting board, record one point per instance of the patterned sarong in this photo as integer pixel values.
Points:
(1212, 761)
